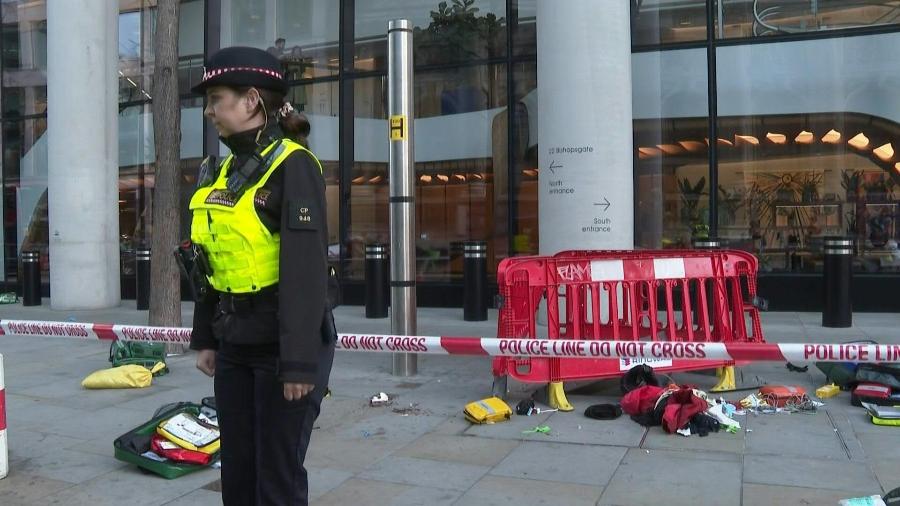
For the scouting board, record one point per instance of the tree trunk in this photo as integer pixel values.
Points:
(165, 280)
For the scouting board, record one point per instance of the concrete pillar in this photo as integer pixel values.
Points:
(83, 153)
(586, 196)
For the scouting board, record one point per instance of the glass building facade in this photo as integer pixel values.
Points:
(767, 124)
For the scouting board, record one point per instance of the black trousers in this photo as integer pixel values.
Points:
(264, 437)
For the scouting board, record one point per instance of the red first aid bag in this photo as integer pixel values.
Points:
(165, 448)
(641, 400)
(872, 393)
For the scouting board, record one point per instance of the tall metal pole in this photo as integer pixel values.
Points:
(402, 188)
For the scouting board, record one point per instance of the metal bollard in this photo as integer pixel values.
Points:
(142, 278)
(377, 275)
(837, 311)
(31, 278)
(475, 297)
(705, 243)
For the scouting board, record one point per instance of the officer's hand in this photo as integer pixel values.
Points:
(206, 362)
(296, 391)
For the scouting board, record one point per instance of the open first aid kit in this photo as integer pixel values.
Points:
(189, 432)
(490, 410)
(181, 438)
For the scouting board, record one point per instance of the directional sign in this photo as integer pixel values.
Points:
(398, 127)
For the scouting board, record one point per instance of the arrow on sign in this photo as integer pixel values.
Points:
(553, 166)
(605, 204)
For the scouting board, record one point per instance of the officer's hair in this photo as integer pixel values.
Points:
(294, 125)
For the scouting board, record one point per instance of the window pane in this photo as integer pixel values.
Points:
(524, 173)
(664, 21)
(776, 17)
(24, 35)
(811, 153)
(671, 161)
(25, 191)
(302, 33)
(445, 32)
(319, 102)
(525, 34)
(460, 139)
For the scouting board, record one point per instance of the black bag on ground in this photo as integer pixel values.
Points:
(885, 374)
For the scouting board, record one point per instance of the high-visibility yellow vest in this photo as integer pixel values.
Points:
(242, 252)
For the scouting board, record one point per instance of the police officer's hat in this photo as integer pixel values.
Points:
(243, 66)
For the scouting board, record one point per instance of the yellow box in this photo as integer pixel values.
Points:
(827, 391)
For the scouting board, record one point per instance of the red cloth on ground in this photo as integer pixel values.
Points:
(641, 400)
(683, 405)
(181, 455)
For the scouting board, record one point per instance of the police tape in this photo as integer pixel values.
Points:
(505, 347)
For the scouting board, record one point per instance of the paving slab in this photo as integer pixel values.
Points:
(684, 478)
(658, 439)
(363, 492)
(767, 495)
(25, 488)
(810, 473)
(323, 480)
(198, 498)
(130, 486)
(887, 472)
(389, 426)
(506, 491)
(330, 450)
(425, 473)
(811, 436)
(882, 447)
(462, 449)
(70, 466)
(512, 428)
(26, 444)
(569, 463)
(574, 427)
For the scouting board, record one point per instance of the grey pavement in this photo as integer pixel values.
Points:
(60, 435)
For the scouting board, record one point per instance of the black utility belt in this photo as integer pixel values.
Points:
(244, 303)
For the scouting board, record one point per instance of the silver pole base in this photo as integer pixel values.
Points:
(405, 364)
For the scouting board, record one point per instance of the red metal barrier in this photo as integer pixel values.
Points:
(704, 296)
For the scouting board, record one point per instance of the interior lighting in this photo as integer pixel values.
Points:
(746, 139)
(804, 137)
(832, 137)
(693, 146)
(884, 152)
(860, 141)
(776, 138)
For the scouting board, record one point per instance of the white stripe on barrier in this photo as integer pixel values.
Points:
(607, 270)
(668, 268)
(507, 347)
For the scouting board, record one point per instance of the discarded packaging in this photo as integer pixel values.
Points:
(540, 429)
(381, 399)
(872, 500)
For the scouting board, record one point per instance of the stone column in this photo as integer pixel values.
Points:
(586, 185)
(83, 153)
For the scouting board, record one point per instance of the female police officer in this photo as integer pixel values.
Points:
(264, 328)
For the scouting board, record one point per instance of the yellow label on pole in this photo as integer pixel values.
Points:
(398, 127)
